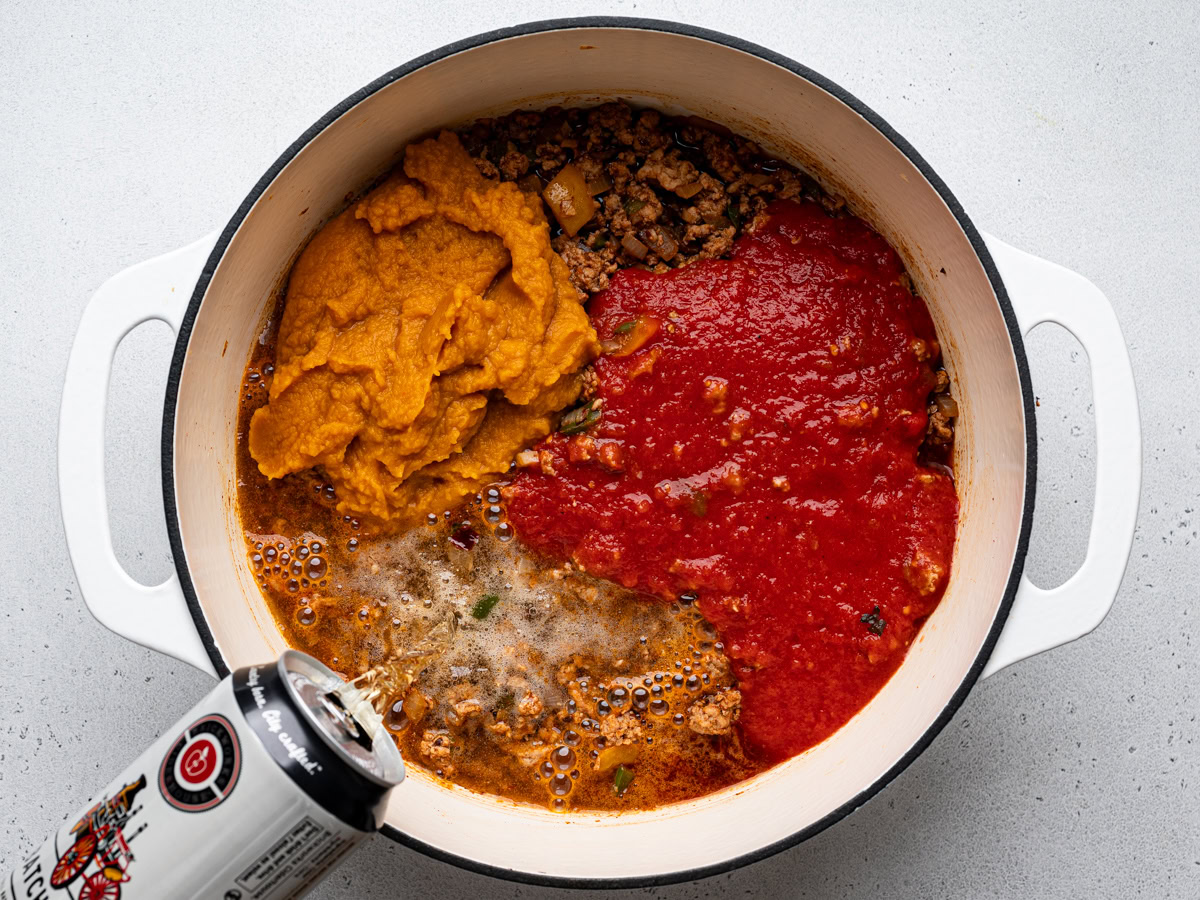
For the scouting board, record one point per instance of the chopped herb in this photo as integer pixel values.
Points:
(600, 240)
(581, 418)
(625, 327)
(632, 205)
(484, 605)
(505, 701)
(734, 216)
(874, 622)
(622, 779)
(700, 505)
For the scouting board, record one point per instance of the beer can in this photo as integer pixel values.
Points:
(256, 794)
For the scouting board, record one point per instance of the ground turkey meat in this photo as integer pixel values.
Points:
(590, 269)
(622, 729)
(436, 746)
(715, 713)
(514, 164)
(924, 572)
(464, 710)
(685, 188)
(530, 705)
(671, 171)
(942, 410)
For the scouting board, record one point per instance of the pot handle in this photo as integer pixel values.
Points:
(1041, 291)
(156, 617)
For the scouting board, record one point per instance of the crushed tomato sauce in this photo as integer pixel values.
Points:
(758, 447)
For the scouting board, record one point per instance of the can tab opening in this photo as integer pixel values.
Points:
(333, 706)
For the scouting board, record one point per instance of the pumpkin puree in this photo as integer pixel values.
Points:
(429, 333)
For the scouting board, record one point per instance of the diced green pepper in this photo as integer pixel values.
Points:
(581, 418)
(484, 605)
(622, 779)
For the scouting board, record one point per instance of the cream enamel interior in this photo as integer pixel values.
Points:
(797, 120)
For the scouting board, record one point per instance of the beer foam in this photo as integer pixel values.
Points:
(543, 615)
(360, 704)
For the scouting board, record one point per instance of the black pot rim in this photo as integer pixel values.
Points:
(977, 244)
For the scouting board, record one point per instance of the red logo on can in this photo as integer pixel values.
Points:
(202, 766)
(199, 760)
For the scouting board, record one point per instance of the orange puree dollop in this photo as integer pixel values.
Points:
(429, 334)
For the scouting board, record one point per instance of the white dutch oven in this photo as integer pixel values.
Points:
(983, 294)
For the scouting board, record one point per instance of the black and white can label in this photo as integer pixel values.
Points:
(210, 810)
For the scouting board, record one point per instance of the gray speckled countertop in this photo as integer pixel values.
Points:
(1069, 129)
